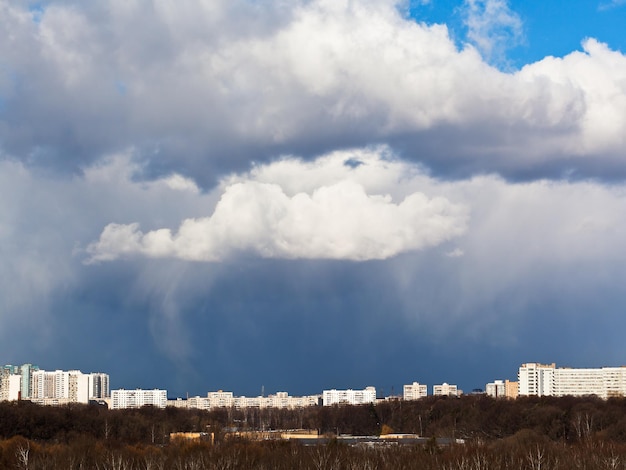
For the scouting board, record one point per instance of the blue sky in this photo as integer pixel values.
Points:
(553, 28)
(312, 194)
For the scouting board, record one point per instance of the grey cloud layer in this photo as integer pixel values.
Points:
(197, 87)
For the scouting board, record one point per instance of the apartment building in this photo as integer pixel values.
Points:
(446, 389)
(414, 391)
(10, 385)
(10, 376)
(349, 397)
(99, 386)
(221, 399)
(502, 389)
(536, 379)
(122, 398)
(549, 380)
(72, 386)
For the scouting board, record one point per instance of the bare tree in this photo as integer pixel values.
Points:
(22, 453)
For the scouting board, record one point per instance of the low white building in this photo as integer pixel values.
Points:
(502, 389)
(122, 398)
(496, 389)
(221, 399)
(349, 397)
(414, 391)
(446, 389)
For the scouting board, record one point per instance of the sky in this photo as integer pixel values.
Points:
(311, 194)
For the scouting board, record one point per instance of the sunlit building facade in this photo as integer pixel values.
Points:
(414, 391)
(349, 397)
(221, 399)
(446, 389)
(121, 399)
(549, 380)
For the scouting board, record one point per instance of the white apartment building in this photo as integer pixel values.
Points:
(502, 389)
(78, 387)
(414, 391)
(68, 386)
(349, 397)
(536, 379)
(50, 384)
(549, 380)
(121, 398)
(10, 386)
(495, 389)
(446, 389)
(99, 385)
(221, 399)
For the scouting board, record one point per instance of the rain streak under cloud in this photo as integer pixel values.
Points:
(222, 179)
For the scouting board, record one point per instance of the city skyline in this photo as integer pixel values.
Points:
(312, 194)
(58, 387)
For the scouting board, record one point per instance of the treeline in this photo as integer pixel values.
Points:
(475, 418)
(533, 433)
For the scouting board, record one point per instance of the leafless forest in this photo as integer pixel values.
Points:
(529, 433)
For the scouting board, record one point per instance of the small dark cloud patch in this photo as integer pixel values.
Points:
(353, 163)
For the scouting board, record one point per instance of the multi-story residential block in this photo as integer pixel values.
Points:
(68, 386)
(502, 389)
(99, 385)
(121, 398)
(24, 372)
(10, 385)
(414, 391)
(49, 384)
(279, 400)
(536, 379)
(350, 397)
(446, 389)
(549, 380)
(511, 389)
(496, 389)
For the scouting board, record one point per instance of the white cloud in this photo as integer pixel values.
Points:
(195, 88)
(493, 28)
(338, 219)
(456, 253)
(609, 5)
(180, 183)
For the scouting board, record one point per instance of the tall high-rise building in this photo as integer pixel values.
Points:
(99, 385)
(72, 386)
(26, 371)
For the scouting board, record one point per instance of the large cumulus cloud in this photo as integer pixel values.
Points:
(339, 220)
(197, 87)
